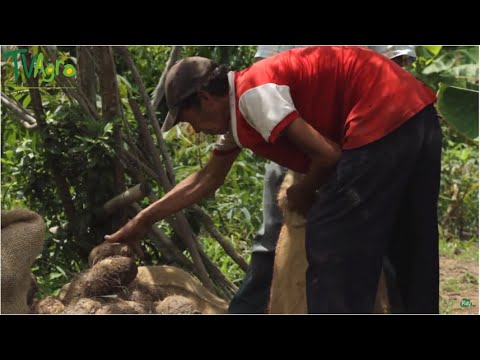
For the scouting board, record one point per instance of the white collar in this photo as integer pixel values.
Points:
(233, 107)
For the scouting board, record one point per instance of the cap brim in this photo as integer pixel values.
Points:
(171, 120)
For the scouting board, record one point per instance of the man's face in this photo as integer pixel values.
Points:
(212, 117)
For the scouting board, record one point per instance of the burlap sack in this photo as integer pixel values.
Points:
(288, 290)
(170, 280)
(23, 234)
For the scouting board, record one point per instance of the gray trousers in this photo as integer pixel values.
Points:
(253, 295)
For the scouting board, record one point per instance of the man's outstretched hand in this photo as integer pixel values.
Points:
(130, 233)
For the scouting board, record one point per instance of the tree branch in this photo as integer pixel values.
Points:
(86, 73)
(119, 202)
(21, 115)
(160, 89)
(224, 243)
(143, 129)
(150, 111)
(78, 95)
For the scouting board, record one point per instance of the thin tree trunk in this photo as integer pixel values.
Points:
(111, 110)
(86, 73)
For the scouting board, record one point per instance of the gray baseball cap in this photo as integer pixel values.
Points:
(183, 79)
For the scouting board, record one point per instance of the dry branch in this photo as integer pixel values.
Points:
(160, 89)
(21, 115)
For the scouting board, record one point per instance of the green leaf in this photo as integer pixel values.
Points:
(423, 52)
(108, 128)
(61, 270)
(246, 213)
(26, 101)
(112, 296)
(443, 63)
(460, 108)
(468, 54)
(434, 50)
(55, 275)
(472, 86)
(469, 71)
(7, 162)
(85, 139)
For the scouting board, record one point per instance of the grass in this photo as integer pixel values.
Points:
(459, 250)
(450, 285)
(458, 276)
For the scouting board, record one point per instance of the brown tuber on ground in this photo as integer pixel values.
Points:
(106, 250)
(109, 276)
(49, 305)
(163, 279)
(63, 292)
(123, 307)
(142, 293)
(84, 306)
(176, 304)
(75, 290)
(143, 290)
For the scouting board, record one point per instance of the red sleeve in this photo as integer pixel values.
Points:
(277, 130)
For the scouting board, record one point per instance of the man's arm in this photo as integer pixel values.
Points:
(324, 155)
(184, 194)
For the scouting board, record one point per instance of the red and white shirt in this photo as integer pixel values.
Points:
(349, 94)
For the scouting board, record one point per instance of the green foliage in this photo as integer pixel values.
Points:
(453, 72)
(80, 150)
(459, 250)
(237, 57)
(460, 107)
(458, 201)
(451, 65)
(150, 61)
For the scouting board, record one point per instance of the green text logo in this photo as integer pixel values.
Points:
(36, 66)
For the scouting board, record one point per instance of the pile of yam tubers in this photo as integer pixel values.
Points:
(115, 285)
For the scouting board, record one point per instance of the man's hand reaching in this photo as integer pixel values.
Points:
(130, 233)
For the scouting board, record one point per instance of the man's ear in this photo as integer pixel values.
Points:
(205, 95)
(206, 99)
